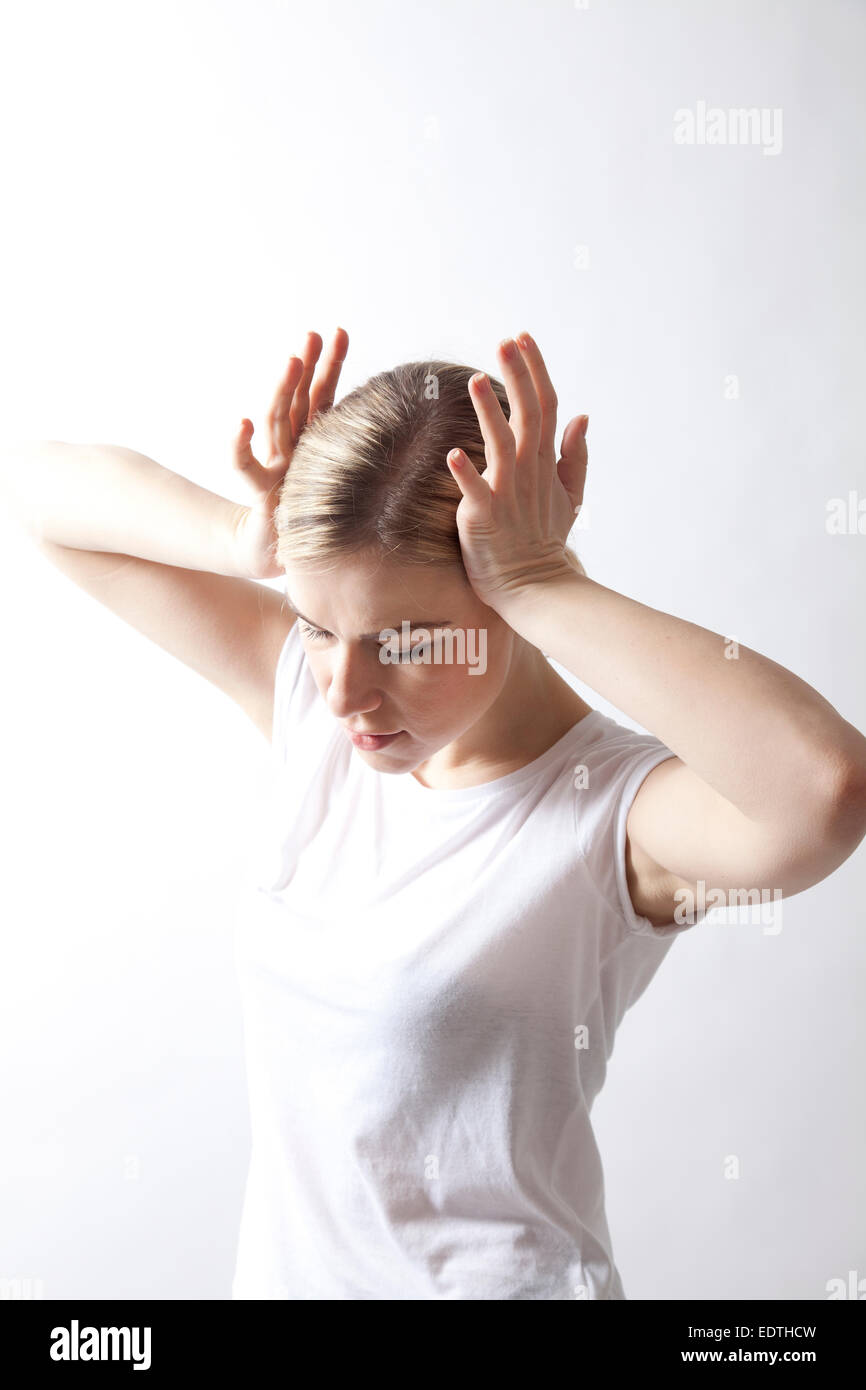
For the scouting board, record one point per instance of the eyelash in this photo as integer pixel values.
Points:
(316, 633)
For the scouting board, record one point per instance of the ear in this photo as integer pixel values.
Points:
(574, 458)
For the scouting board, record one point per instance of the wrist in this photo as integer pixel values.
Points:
(226, 531)
(522, 607)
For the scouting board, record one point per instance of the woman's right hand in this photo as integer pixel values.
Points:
(294, 405)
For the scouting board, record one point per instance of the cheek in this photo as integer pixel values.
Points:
(318, 670)
(446, 697)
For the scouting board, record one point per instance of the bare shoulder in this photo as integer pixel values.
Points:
(682, 833)
(652, 887)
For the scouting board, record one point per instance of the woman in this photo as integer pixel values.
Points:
(467, 874)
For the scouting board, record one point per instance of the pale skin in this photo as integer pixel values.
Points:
(768, 786)
(768, 789)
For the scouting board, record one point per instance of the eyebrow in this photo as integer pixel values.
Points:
(395, 627)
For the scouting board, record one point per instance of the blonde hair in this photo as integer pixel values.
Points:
(369, 474)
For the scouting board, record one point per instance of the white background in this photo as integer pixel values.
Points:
(188, 188)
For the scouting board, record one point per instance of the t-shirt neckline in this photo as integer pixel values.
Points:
(411, 788)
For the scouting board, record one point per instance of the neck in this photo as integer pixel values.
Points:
(534, 709)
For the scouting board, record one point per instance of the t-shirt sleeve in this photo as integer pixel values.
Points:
(292, 693)
(305, 736)
(616, 767)
(289, 803)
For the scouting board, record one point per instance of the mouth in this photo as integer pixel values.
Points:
(371, 742)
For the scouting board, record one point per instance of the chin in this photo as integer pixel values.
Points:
(385, 759)
(395, 764)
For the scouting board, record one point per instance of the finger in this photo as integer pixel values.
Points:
(571, 467)
(301, 403)
(545, 393)
(281, 440)
(325, 385)
(244, 458)
(499, 445)
(245, 461)
(525, 421)
(473, 487)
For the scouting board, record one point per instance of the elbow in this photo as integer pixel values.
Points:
(846, 804)
(827, 833)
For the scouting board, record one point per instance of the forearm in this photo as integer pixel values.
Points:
(755, 732)
(110, 498)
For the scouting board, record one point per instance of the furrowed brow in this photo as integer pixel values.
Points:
(393, 627)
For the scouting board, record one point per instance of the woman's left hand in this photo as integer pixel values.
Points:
(514, 518)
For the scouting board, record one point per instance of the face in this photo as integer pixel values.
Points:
(447, 656)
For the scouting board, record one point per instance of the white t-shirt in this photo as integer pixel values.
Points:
(431, 981)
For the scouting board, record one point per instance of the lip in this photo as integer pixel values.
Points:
(371, 742)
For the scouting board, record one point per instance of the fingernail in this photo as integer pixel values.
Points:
(584, 426)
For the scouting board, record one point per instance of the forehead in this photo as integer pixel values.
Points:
(371, 593)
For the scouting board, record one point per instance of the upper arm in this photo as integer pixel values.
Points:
(230, 630)
(680, 831)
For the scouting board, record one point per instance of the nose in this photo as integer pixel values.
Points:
(354, 681)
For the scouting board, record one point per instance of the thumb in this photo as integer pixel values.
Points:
(571, 467)
(243, 456)
(260, 479)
